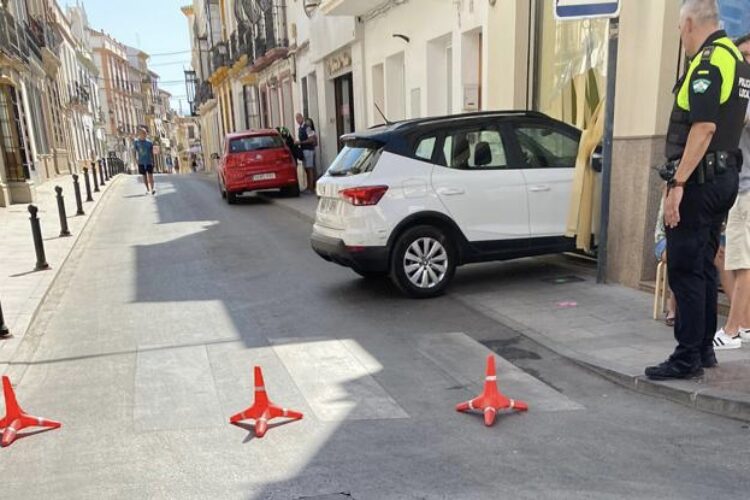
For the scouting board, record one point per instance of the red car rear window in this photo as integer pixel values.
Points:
(255, 143)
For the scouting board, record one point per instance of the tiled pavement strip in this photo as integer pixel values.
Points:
(22, 289)
(606, 328)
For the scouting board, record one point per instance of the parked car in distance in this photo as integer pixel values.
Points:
(414, 200)
(256, 160)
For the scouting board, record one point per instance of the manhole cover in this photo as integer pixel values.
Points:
(561, 280)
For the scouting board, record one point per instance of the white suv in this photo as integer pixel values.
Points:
(416, 199)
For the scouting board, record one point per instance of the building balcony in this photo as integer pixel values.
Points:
(270, 40)
(346, 7)
(204, 93)
(35, 37)
(79, 96)
(13, 37)
(219, 56)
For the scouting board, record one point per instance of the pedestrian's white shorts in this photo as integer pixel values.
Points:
(738, 234)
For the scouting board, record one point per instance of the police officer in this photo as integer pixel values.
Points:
(702, 142)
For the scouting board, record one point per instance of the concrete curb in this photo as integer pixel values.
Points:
(729, 404)
(26, 341)
(691, 393)
(289, 208)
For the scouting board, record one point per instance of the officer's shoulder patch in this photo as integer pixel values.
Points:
(701, 85)
(707, 53)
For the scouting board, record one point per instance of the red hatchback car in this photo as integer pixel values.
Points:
(256, 160)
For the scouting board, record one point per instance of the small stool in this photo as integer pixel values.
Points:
(660, 291)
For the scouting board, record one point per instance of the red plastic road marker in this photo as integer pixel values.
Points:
(15, 419)
(491, 400)
(263, 410)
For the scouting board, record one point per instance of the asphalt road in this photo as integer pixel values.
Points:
(146, 343)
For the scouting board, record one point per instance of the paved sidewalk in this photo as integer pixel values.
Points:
(22, 289)
(607, 328)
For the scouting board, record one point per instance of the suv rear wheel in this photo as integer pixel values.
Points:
(423, 262)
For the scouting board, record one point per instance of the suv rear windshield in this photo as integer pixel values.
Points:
(356, 158)
(255, 143)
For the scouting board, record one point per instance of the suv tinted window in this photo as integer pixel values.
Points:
(478, 148)
(355, 159)
(255, 143)
(545, 147)
(426, 148)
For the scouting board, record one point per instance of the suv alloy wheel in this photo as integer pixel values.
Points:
(423, 262)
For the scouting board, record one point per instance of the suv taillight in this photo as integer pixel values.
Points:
(364, 196)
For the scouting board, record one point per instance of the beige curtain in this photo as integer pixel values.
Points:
(585, 192)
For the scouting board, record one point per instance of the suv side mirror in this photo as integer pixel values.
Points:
(596, 160)
(214, 156)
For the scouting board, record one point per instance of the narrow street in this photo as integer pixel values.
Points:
(146, 343)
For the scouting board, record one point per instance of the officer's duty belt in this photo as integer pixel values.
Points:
(713, 165)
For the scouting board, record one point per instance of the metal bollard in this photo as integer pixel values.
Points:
(77, 191)
(64, 231)
(101, 174)
(4, 331)
(94, 174)
(36, 232)
(88, 184)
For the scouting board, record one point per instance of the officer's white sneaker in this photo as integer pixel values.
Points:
(722, 341)
(745, 334)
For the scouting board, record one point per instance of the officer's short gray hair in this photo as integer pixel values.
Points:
(701, 11)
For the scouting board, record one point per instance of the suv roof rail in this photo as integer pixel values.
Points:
(458, 116)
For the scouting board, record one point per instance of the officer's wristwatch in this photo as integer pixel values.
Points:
(674, 183)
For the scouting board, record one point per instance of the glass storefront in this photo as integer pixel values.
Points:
(735, 14)
(570, 71)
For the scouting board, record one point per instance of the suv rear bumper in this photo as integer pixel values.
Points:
(366, 259)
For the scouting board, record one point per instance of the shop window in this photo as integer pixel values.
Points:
(570, 66)
(735, 16)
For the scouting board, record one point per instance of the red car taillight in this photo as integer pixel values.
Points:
(364, 196)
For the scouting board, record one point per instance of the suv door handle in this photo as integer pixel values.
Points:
(539, 189)
(451, 191)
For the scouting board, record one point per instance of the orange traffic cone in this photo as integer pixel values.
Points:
(263, 409)
(491, 400)
(15, 419)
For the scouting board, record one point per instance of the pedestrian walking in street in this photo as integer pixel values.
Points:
(176, 164)
(737, 327)
(702, 147)
(307, 140)
(168, 163)
(144, 153)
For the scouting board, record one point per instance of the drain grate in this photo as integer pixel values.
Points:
(561, 280)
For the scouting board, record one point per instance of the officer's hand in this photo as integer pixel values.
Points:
(672, 207)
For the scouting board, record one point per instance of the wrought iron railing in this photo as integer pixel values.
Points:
(274, 25)
(13, 37)
(35, 34)
(204, 92)
(219, 55)
(52, 38)
(79, 94)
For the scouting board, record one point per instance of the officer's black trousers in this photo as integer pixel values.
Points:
(691, 250)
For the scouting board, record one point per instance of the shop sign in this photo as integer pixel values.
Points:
(586, 9)
(339, 63)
